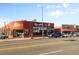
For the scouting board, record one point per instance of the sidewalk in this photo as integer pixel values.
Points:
(40, 38)
(29, 38)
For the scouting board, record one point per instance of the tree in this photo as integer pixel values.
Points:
(35, 20)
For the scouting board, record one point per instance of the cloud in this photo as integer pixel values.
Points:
(47, 6)
(56, 13)
(38, 5)
(1, 23)
(53, 6)
(58, 6)
(66, 5)
(2, 20)
(74, 11)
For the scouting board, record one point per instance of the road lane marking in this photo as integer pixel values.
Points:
(11, 48)
(58, 51)
(52, 52)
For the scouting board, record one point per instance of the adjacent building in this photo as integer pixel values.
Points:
(67, 28)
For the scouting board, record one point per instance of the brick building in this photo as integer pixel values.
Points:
(67, 28)
(27, 28)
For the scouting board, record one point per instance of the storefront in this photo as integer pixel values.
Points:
(28, 28)
(45, 27)
(68, 28)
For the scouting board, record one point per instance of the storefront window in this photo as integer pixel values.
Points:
(26, 31)
(37, 29)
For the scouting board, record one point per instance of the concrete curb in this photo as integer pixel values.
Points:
(37, 38)
(34, 38)
(14, 39)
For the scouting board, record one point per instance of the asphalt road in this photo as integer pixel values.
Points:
(58, 46)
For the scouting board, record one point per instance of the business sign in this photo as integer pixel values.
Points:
(40, 24)
(17, 24)
(37, 24)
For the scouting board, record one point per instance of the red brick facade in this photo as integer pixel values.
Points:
(23, 25)
(68, 28)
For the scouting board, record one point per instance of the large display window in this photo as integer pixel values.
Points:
(20, 33)
(38, 30)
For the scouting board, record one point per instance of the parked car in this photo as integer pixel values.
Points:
(74, 35)
(3, 36)
(67, 35)
(55, 34)
(77, 34)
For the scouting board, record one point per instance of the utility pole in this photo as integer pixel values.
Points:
(5, 27)
(42, 24)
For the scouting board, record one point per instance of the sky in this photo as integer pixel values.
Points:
(57, 13)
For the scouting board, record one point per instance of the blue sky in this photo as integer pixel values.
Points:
(59, 13)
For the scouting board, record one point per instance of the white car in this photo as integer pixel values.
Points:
(3, 36)
(66, 35)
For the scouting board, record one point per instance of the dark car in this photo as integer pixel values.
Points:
(55, 34)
